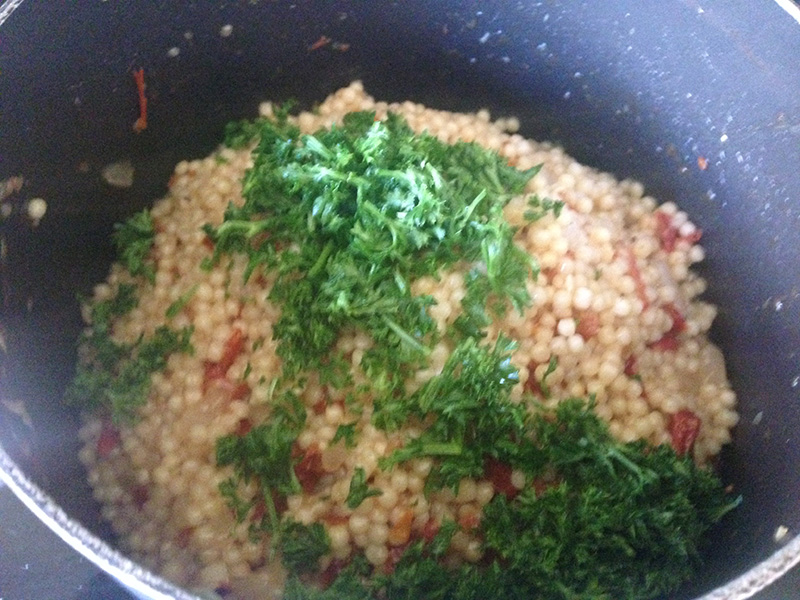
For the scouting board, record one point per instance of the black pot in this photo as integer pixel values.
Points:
(698, 100)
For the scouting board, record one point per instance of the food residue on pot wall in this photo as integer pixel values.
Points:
(119, 174)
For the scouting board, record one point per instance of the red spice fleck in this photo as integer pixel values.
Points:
(631, 366)
(108, 440)
(184, 537)
(140, 495)
(430, 529)
(329, 575)
(636, 274)
(684, 426)
(499, 474)
(309, 469)
(141, 122)
(678, 321)
(702, 163)
(323, 40)
(588, 324)
(532, 384)
(668, 343)
(234, 346)
(243, 427)
(469, 520)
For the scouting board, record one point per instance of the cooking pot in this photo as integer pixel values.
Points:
(698, 99)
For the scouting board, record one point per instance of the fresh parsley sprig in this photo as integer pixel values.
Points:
(116, 376)
(133, 240)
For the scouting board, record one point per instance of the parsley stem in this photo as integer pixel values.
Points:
(441, 449)
(321, 261)
(274, 519)
(405, 337)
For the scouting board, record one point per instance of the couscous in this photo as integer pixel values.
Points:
(607, 311)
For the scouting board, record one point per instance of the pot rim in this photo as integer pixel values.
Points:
(130, 574)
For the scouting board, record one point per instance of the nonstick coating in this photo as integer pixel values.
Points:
(699, 100)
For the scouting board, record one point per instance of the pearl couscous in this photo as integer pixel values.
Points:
(614, 314)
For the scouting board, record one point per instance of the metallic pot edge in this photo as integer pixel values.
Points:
(138, 580)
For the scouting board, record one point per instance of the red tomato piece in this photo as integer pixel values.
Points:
(668, 343)
(684, 426)
(499, 474)
(430, 529)
(329, 575)
(666, 231)
(532, 384)
(309, 469)
(243, 427)
(108, 440)
(232, 349)
(588, 324)
(678, 320)
(636, 275)
(140, 496)
(631, 366)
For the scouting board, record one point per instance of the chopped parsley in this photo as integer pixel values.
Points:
(265, 454)
(117, 376)
(348, 217)
(133, 240)
(302, 546)
(359, 490)
(551, 366)
(179, 304)
(474, 416)
(346, 432)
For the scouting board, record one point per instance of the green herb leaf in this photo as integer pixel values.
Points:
(359, 490)
(176, 307)
(117, 376)
(302, 546)
(133, 240)
(346, 432)
(551, 366)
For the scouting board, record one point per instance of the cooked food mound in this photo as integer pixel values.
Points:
(384, 351)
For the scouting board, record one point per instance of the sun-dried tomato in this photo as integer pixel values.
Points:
(499, 474)
(684, 426)
(309, 469)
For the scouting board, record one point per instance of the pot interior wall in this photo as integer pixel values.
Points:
(699, 104)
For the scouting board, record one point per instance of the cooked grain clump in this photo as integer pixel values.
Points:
(614, 314)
